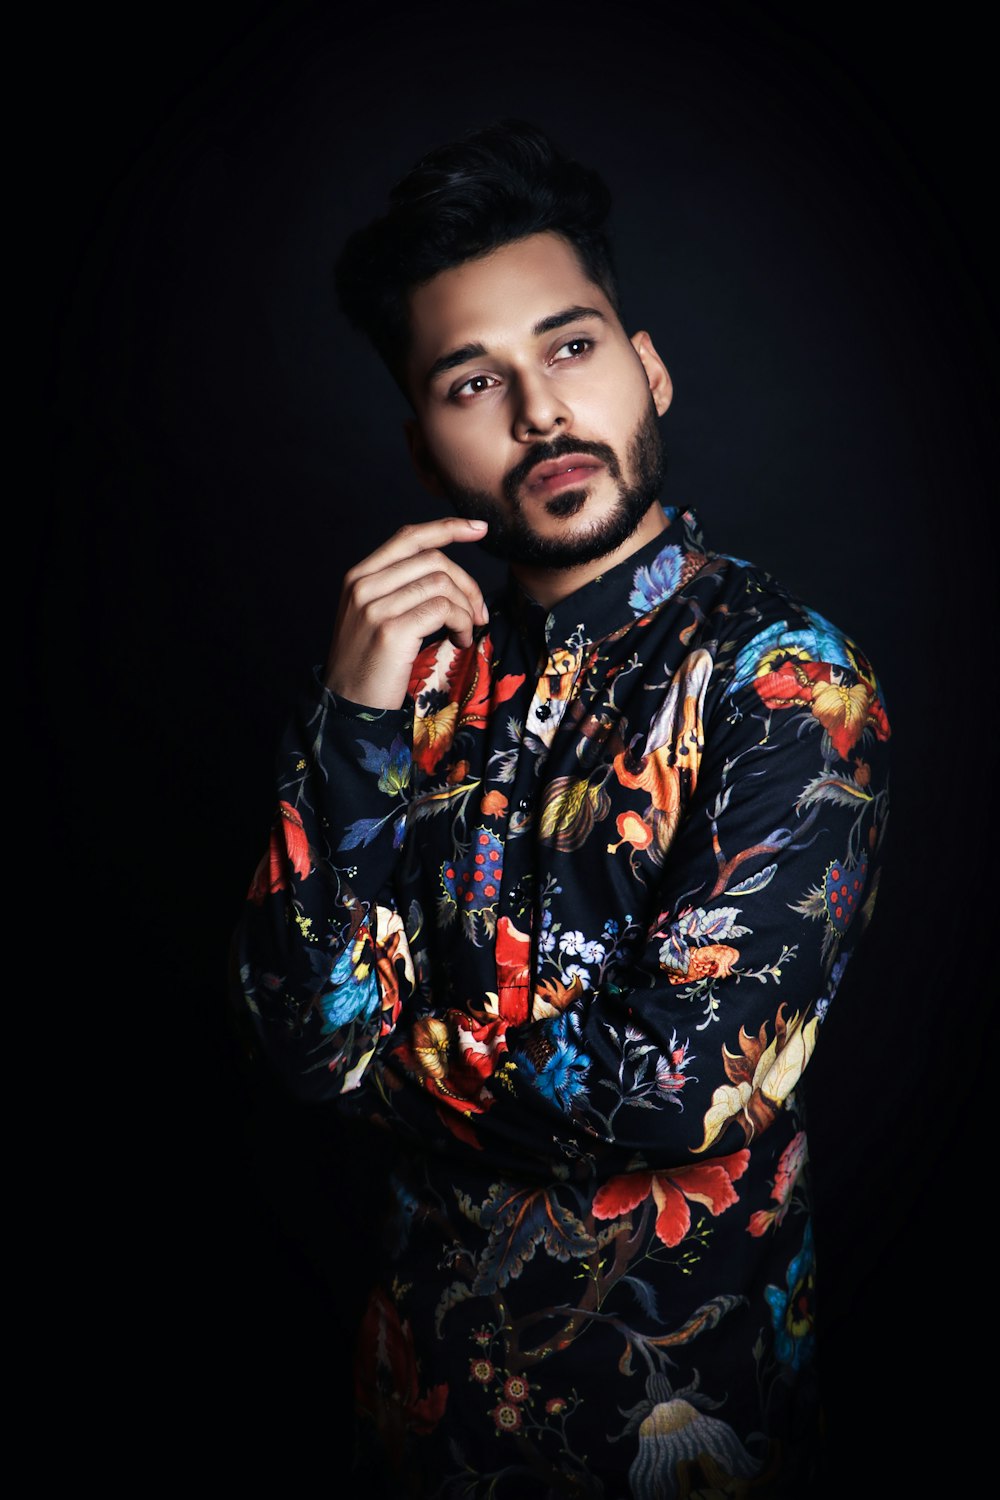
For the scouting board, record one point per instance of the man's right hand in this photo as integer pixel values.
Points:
(392, 601)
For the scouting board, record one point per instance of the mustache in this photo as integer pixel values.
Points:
(558, 448)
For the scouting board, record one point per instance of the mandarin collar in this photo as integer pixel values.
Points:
(625, 593)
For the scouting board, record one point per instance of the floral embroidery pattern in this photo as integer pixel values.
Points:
(569, 925)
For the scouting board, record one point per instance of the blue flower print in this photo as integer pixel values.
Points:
(556, 1067)
(392, 765)
(792, 1308)
(353, 993)
(654, 584)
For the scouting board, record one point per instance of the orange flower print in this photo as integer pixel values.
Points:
(842, 711)
(552, 996)
(653, 774)
(674, 741)
(433, 732)
(552, 694)
(713, 961)
(844, 707)
(493, 805)
(631, 830)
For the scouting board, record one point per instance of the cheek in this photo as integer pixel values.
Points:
(467, 450)
(612, 409)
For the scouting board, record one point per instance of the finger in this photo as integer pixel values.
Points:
(427, 568)
(419, 536)
(422, 597)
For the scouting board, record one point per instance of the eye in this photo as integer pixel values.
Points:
(574, 349)
(474, 386)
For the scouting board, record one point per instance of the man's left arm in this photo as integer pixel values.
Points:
(692, 1043)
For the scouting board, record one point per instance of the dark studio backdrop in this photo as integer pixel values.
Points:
(801, 210)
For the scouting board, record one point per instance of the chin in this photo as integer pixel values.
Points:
(581, 539)
(576, 537)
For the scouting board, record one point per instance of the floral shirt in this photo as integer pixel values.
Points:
(569, 924)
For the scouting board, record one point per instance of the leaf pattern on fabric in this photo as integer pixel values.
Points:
(567, 927)
(518, 1223)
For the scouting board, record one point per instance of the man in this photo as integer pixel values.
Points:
(561, 887)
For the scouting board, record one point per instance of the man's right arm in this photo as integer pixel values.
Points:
(322, 957)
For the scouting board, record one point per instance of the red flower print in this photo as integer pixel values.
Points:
(790, 1165)
(709, 1183)
(260, 885)
(507, 1416)
(466, 680)
(515, 1388)
(513, 955)
(481, 1369)
(386, 1376)
(844, 708)
(288, 845)
(296, 842)
(787, 686)
(454, 1057)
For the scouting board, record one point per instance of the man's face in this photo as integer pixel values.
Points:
(534, 410)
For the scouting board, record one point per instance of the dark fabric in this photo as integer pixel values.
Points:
(569, 926)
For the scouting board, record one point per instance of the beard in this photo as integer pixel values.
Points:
(511, 536)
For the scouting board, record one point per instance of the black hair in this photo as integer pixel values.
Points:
(496, 185)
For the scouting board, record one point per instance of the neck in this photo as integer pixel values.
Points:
(549, 585)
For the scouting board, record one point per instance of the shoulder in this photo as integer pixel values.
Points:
(759, 627)
(775, 655)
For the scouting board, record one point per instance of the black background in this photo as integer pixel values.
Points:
(801, 214)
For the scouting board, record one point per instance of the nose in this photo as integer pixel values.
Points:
(539, 410)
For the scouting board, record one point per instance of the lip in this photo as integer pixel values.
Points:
(557, 473)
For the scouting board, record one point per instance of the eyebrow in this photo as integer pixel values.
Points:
(477, 350)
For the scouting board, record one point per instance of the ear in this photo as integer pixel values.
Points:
(421, 458)
(660, 385)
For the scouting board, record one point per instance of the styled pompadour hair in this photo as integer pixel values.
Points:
(496, 185)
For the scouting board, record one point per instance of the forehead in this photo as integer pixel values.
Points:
(497, 299)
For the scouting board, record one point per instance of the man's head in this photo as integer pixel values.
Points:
(462, 200)
(489, 290)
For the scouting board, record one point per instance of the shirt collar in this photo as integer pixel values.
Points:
(636, 587)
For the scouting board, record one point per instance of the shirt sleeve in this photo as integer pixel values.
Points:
(320, 949)
(693, 1042)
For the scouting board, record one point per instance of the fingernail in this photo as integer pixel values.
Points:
(478, 525)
